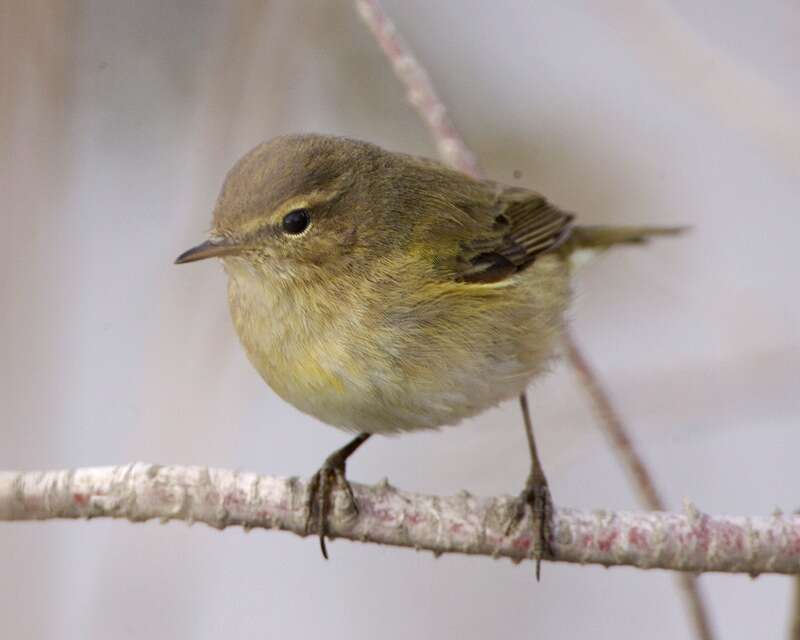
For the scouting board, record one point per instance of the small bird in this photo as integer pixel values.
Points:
(384, 293)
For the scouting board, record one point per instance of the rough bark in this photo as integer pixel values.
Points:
(690, 541)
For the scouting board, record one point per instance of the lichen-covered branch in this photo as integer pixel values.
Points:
(690, 541)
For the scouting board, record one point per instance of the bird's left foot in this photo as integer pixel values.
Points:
(535, 495)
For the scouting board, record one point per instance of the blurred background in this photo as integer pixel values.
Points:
(118, 121)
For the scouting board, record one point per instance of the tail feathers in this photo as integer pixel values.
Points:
(604, 237)
(584, 242)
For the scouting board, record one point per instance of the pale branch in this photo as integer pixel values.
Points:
(454, 151)
(690, 541)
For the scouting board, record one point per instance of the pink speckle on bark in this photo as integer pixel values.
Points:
(794, 546)
(637, 538)
(732, 538)
(522, 544)
(384, 515)
(233, 499)
(702, 534)
(605, 542)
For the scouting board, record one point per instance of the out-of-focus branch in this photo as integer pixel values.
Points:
(623, 445)
(794, 622)
(419, 89)
(612, 423)
(691, 541)
(453, 150)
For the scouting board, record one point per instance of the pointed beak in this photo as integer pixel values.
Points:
(209, 249)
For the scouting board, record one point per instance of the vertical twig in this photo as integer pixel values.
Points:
(423, 97)
(794, 622)
(642, 480)
(419, 89)
(613, 426)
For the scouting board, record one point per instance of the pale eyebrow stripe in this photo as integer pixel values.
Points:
(295, 202)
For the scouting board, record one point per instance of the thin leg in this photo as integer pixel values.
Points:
(537, 472)
(320, 489)
(536, 495)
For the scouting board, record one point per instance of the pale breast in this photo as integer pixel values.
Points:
(420, 361)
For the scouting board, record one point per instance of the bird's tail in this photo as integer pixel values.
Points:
(585, 242)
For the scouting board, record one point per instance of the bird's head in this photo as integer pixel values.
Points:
(297, 206)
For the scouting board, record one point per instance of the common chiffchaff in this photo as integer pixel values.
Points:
(383, 293)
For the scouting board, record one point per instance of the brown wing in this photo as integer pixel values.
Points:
(524, 227)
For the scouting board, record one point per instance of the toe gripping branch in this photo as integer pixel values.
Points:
(319, 499)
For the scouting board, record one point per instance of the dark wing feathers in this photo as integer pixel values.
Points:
(524, 226)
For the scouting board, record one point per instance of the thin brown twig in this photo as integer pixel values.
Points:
(642, 480)
(419, 89)
(454, 151)
(612, 423)
(794, 622)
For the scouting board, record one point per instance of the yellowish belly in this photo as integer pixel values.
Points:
(433, 359)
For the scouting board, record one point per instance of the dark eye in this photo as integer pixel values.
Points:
(296, 221)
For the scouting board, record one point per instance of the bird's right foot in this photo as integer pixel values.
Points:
(319, 497)
(319, 501)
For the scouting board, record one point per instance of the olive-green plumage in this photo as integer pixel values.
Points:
(381, 292)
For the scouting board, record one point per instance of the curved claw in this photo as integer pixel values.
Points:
(319, 500)
(320, 488)
(536, 495)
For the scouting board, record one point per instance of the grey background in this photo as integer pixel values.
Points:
(118, 121)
